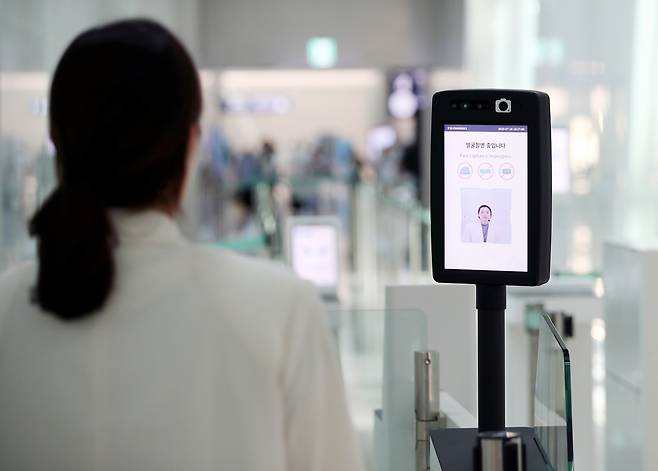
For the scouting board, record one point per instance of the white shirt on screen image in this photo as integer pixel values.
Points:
(473, 233)
(201, 360)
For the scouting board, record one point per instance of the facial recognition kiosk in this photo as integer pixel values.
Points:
(491, 227)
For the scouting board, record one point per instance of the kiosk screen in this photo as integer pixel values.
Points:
(486, 197)
(314, 253)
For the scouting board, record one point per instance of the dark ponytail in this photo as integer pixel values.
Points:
(76, 266)
(123, 101)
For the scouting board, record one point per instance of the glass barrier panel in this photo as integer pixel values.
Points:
(27, 170)
(376, 349)
(552, 417)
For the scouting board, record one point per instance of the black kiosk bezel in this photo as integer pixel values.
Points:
(529, 108)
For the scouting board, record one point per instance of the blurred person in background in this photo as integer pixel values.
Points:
(248, 169)
(125, 347)
(388, 166)
(320, 163)
(410, 165)
(214, 176)
(242, 216)
(268, 162)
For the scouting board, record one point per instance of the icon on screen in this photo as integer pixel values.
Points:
(507, 171)
(465, 171)
(485, 171)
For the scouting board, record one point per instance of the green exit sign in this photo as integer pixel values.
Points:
(321, 53)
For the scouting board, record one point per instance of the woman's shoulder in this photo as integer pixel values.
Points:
(265, 296)
(259, 276)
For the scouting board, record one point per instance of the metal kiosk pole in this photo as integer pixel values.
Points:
(492, 446)
(497, 448)
(490, 302)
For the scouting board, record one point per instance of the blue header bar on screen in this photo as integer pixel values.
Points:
(484, 128)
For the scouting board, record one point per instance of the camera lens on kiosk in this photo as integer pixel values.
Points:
(503, 106)
(465, 105)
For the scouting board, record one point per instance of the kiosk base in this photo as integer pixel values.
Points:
(455, 448)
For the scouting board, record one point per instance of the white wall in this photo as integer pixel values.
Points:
(344, 103)
(369, 33)
(33, 33)
(22, 109)
(247, 33)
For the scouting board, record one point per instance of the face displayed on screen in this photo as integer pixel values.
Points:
(484, 214)
(486, 197)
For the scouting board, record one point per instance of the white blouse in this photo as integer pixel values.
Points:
(200, 360)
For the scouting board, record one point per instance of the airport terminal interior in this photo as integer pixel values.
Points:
(315, 154)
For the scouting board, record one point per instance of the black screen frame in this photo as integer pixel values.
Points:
(531, 109)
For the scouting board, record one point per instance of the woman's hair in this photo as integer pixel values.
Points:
(485, 206)
(123, 101)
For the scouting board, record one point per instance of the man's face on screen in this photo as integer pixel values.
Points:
(484, 215)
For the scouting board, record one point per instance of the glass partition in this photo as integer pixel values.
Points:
(26, 160)
(553, 419)
(376, 349)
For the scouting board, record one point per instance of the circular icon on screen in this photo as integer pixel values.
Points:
(465, 170)
(485, 171)
(507, 171)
